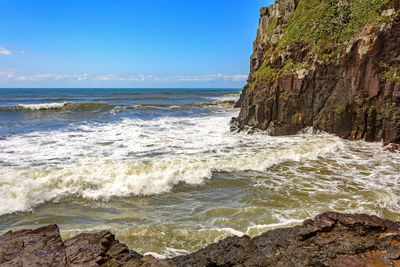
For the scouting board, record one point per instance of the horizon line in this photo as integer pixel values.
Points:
(121, 88)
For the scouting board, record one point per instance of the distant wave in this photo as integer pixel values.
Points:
(222, 102)
(58, 106)
(227, 101)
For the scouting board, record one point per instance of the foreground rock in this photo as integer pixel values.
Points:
(332, 65)
(44, 247)
(331, 239)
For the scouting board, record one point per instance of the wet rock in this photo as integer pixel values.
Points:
(232, 251)
(333, 240)
(330, 239)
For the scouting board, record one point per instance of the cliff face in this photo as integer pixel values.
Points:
(332, 65)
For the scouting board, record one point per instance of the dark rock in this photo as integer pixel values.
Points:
(44, 247)
(232, 251)
(331, 239)
(149, 261)
(350, 96)
(334, 240)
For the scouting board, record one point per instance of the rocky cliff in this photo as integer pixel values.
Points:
(331, 239)
(333, 65)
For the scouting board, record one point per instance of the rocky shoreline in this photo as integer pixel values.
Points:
(331, 239)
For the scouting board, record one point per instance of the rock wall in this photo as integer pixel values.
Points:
(331, 239)
(349, 86)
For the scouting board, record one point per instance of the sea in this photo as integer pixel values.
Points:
(161, 169)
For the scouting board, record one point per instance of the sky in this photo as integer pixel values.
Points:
(122, 43)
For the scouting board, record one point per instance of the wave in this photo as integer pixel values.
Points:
(87, 106)
(140, 158)
(44, 106)
(220, 103)
(224, 102)
(58, 106)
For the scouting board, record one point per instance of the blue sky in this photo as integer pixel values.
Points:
(121, 43)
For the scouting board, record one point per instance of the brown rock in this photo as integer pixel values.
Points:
(97, 249)
(394, 148)
(331, 239)
(40, 247)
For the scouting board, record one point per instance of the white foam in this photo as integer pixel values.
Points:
(155, 255)
(266, 227)
(43, 106)
(227, 230)
(174, 252)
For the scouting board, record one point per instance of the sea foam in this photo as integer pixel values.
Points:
(42, 106)
(147, 157)
(137, 157)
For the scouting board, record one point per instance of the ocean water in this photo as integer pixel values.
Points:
(160, 168)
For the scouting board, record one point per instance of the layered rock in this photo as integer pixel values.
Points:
(331, 239)
(332, 65)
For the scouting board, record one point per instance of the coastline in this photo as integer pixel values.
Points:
(164, 171)
(330, 239)
(142, 171)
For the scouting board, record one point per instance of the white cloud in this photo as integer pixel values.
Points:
(109, 77)
(50, 77)
(22, 78)
(212, 77)
(83, 77)
(115, 78)
(4, 51)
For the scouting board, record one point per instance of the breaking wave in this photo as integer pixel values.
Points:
(137, 157)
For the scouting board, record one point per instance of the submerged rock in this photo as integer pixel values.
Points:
(331, 239)
(393, 148)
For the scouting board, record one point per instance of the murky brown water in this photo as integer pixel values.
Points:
(350, 177)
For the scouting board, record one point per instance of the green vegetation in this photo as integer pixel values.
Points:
(393, 75)
(318, 23)
(266, 73)
(272, 26)
(339, 110)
